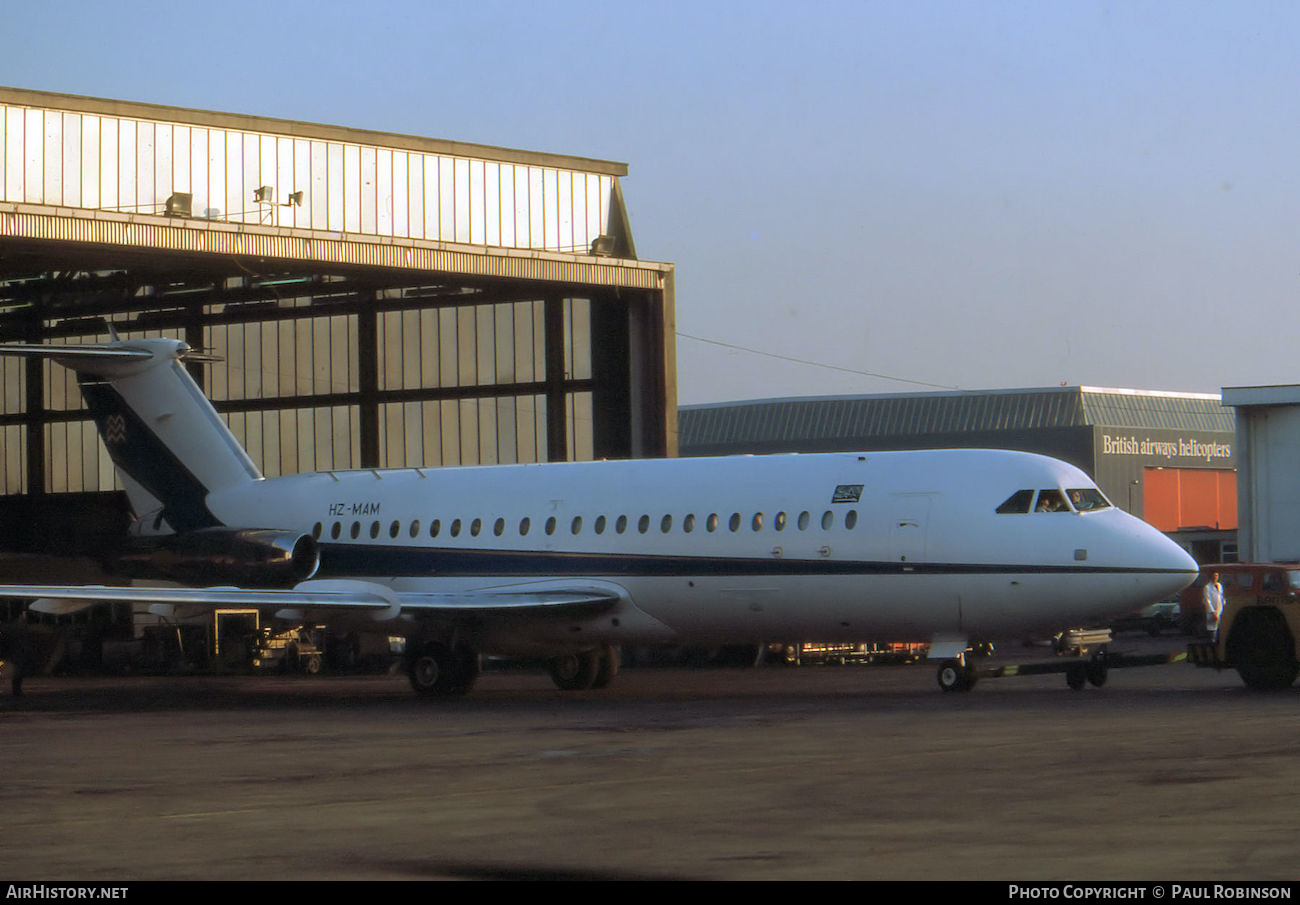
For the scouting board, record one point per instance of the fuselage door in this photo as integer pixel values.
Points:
(908, 525)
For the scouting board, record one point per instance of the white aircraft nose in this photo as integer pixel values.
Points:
(1172, 567)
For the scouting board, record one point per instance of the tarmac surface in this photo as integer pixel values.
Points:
(1167, 773)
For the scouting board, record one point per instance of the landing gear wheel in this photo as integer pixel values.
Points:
(575, 672)
(1263, 651)
(468, 665)
(437, 671)
(607, 668)
(953, 676)
(1076, 676)
(1097, 668)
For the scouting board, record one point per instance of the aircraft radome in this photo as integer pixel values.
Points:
(568, 560)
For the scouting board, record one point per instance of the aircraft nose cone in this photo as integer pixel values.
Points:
(1175, 566)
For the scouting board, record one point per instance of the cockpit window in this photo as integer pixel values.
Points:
(1088, 499)
(1017, 502)
(1051, 500)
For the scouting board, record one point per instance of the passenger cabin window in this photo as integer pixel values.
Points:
(1017, 502)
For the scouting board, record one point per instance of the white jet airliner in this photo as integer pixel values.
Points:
(569, 560)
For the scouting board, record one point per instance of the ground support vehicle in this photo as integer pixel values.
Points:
(1084, 657)
(294, 650)
(1259, 626)
(1154, 619)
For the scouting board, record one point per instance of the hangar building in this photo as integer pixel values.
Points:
(378, 300)
(1166, 457)
(1268, 447)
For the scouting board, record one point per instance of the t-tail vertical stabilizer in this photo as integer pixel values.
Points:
(167, 441)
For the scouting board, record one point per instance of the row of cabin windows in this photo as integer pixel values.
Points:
(599, 525)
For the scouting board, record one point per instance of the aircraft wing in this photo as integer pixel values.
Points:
(337, 595)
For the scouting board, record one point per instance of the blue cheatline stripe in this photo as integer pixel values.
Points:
(383, 559)
(138, 452)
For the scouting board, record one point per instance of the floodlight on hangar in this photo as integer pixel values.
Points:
(179, 204)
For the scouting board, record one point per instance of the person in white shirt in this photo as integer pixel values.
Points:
(1212, 597)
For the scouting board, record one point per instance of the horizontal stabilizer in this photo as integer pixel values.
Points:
(81, 357)
(87, 352)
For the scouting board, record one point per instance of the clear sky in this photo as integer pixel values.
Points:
(965, 194)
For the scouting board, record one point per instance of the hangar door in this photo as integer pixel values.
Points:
(1179, 498)
(1274, 494)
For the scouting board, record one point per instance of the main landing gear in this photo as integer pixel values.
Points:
(440, 670)
(585, 669)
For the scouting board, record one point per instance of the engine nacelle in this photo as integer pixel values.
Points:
(248, 557)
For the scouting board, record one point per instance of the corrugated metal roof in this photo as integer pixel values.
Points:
(821, 418)
(1150, 411)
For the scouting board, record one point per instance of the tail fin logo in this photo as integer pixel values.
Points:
(114, 430)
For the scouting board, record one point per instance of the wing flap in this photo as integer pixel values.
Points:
(488, 603)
